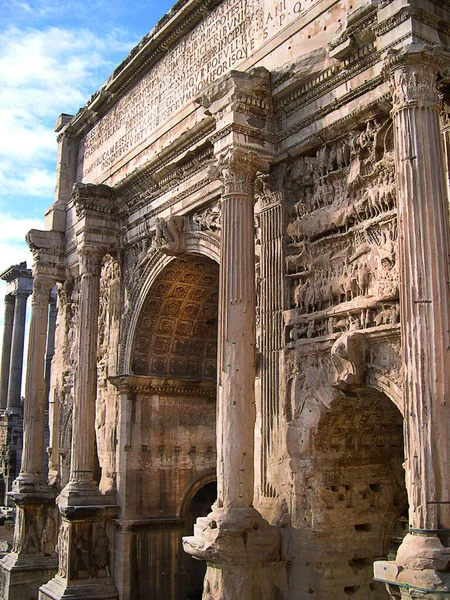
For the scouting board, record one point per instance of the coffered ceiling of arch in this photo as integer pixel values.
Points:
(176, 333)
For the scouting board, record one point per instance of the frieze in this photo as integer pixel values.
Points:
(136, 384)
(342, 236)
(208, 219)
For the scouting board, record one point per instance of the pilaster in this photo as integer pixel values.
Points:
(55, 217)
(423, 557)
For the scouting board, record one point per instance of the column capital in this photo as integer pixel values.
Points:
(412, 73)
(90, 259)
(237, 169)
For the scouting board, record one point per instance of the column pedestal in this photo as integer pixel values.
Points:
(84, 556)
(33, 559)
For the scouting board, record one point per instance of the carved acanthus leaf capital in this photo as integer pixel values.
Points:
(42, 286)
(90, 260)
(412, 72)
(237, 169)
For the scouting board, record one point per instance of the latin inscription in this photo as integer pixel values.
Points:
(221, 41)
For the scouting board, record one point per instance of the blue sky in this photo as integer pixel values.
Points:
(53, 56)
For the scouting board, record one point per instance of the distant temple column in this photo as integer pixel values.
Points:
(33, 557)
(35, 405)
(6, 350)
(238, 544)
(85, 511)
(423, 222)
(19, 280)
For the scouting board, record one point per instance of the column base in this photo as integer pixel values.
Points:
(233, 536)
(420, 569)
(56, 589)
(77, 494)
(21, 576)
(242, 553)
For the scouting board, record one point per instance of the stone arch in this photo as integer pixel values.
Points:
(197, 243)
(197, 503)
(192, 490)
(352, 488)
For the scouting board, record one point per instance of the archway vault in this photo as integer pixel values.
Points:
(197, 244)
(176, 332)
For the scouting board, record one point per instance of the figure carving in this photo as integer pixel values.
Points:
(208, 219)
(169, 235)
(101, 551)
(348, 355)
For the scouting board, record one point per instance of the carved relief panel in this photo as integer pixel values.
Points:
(342, 235)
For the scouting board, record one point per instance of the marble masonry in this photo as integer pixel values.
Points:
(250, 391)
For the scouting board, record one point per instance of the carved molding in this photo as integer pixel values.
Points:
(142, 384)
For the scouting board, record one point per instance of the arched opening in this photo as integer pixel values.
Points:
(193, 571)
(171, 426)
(356, 495)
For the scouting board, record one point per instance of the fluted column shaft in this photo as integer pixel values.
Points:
(17, 346)
(236, 401)
(6, 350)
(83, 437)
(424, 294)
(35, 399)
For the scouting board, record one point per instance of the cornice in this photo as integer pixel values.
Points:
(417, 13)
(143, 384)
(332, 106)
(183, 17)
(327, 81)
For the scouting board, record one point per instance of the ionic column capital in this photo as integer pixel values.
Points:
(412, 73)
(237, 169)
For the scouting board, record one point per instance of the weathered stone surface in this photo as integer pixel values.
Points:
(252, 273)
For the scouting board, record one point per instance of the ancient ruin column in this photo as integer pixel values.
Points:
(35, 399)
(236, 410)
(425, 317)
(33, 558)
(17, 344)
(235, 533)
(83, 437)
(6, 350)
(85, 511)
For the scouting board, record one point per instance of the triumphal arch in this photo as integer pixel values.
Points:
(250, 242)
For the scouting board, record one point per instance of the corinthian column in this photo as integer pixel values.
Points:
(83, 436)
(18, 339)
(6, 350)
(425, 305)
(236, 410)
(35, 397)
(235, 533)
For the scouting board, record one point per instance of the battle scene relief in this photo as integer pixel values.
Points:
(342, 236)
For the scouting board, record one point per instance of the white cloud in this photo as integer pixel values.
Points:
(44, 73)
